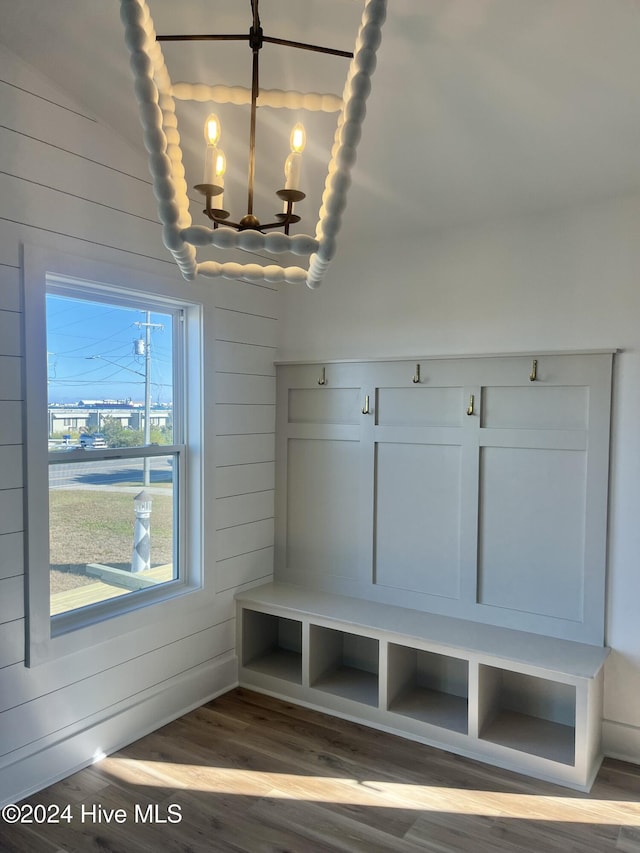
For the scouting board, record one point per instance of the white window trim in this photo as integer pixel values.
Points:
(104, 621)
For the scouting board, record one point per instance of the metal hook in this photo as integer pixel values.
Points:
(365, 409)
(470, 409)
(416, 377)
(534, 371)
(323, 377)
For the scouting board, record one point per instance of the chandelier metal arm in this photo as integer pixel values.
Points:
(284, 221)
(304, 46)
(270, 39)
(248, 222)
(205, 37)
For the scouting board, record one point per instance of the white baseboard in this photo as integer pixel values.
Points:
(74, 748)
(621, 741)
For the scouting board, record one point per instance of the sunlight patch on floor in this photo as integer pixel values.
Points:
(374, 793)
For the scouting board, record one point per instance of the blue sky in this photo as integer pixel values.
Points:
(91, 355)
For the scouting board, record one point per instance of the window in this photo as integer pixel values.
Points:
(114, 496)
(112, 482)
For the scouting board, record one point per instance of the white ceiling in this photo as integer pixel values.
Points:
(479, 108)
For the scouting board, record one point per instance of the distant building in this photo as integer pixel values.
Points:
(90, 415)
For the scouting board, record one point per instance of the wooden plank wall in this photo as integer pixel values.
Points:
(54, 161)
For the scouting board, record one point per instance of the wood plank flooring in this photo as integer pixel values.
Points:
(252, 774)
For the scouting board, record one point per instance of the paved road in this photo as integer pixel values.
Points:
(124, 473)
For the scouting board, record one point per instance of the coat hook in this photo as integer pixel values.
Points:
(365, 409)
(470, 409)
(323, 377)
(416, 377)
(534, 371)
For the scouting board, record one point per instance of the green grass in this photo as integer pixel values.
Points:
(88, 526)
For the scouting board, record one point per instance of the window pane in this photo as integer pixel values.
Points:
(109, 535)
(110, 375)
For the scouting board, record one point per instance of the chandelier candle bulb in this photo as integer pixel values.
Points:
(212, 129)
(210, 162)
(220, 169)
(211, 136)
(293, 162)
(292, 171)
(298, 139)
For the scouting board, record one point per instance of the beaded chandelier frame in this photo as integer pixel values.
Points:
(156, 96)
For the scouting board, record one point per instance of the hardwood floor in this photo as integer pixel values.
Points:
(253, 774)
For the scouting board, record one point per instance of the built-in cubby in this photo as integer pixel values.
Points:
(440, 541)
(527, 713)
(272, 645)
(518, 700)
(344, 664)
(429, 687)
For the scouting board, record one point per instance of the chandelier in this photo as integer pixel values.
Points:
(156, 95)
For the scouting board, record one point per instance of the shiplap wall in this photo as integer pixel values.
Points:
(54, 160)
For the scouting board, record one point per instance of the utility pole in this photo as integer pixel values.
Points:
(147, 325)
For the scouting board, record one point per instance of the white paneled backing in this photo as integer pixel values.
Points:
(241, 388)
(323, 507)
(11, 600)
(100, 247)
(242, 509)
(11, 554)
(244, 539)
(21, 687)
(86, 696)
(10, 298)
(245, 418)
(246, 332)
(17, 74)
(10, 334)
(243, 327)
(11, 642)
(244, 449)
(458, 486)
(38, 118)
(36, 108)
(10, 375)
(49, 761)
(246, 568)
(324, 405)
(531, 543)
(236, 358)
(262, 300)
(418, 517)
(244, 479)
(89, 220)
(421, 406)
(11, 511)
(10, 422)
(11, 466)
(536, 407)
(48, 166)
